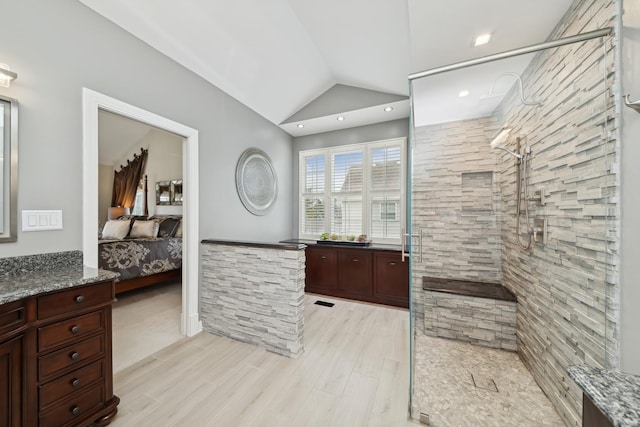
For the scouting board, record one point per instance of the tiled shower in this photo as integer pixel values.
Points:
(464, 200)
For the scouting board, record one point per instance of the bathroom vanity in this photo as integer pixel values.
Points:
(610, 398)
(55, 345)
(373, 273)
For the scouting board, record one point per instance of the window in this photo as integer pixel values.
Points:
(388, 211)
(352, 190)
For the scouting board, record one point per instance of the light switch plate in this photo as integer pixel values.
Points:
(41, 220)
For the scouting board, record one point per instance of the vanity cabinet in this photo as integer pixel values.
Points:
(592, 416)
(11, 374)
(13, 323)
(55, 358)
(321, 272)
(354, 273)
(391, 283)
(365, 274)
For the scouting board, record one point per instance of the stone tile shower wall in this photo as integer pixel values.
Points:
(564, 314)
(455, 206)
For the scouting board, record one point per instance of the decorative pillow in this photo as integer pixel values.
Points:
(142, 228)
(115, 230)
(168, 227)
(178, 232)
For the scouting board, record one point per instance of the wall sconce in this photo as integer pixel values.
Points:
(6, 76)
(116, 212)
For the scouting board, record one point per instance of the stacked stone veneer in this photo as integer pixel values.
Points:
(566, 288)
(481, 321)
(254, 295)
(455, 206)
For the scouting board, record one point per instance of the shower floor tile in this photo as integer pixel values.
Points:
(459, 384)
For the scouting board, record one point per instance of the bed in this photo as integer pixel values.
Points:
(142, 260)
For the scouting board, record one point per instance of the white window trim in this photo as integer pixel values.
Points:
(366, 147)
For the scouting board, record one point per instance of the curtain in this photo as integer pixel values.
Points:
(126, 181)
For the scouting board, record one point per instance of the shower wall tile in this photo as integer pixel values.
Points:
(565, 287)
(457, 241)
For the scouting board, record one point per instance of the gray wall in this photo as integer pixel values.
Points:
(57, 48)
(375, 132)
(630, 202)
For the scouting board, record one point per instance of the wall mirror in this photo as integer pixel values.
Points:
(163, 193)
(169, 193)
(176, 192)
(8, 169)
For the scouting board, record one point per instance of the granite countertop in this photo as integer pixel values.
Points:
(616, 394)
(21, 277)
(374, 246)
(285, 245)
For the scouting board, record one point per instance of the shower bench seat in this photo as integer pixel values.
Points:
(479, 313)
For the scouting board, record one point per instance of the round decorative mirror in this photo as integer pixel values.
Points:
(256, 181)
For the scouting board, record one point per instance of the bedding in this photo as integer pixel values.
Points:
(139, 257)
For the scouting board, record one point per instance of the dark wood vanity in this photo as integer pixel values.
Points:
(55, 358)
(367, 274)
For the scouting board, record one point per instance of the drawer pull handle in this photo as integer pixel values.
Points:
(392, 264)
(75, 383)
(79, 299)
(323, 257)
(75, 355)
(75, 329)
(75, 410)
(355, 260)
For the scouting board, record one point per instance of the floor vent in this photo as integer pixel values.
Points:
(324, 303)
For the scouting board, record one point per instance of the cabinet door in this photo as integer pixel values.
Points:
(11, 366)
(354, 272)
(391, 283)
(321, 273)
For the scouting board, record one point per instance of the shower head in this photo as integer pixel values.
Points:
(501, 136)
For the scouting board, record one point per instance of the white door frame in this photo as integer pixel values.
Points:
(91, 102)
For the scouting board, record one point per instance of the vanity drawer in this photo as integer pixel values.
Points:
(12, 316)
(75, 408)
(74, 299)
(70, 383)
(73, 355)
(68, 330)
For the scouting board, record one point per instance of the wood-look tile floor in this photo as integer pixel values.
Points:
(354, 372)
(145, 321)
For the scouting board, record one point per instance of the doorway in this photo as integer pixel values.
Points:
(92, 102)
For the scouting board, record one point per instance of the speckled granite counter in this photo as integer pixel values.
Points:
(616, 394)
(24, 276)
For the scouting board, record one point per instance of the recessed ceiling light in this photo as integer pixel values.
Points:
(463, 93)
(387, 109)
(481, 39)
(340, 118)
(300, 126)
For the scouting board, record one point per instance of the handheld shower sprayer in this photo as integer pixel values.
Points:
(521, 179)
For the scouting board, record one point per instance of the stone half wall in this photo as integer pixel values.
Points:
(566, 313)
(254, 295)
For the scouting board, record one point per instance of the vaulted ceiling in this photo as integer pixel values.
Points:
(277, 56)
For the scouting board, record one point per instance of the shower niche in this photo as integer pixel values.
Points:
(477, 192)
